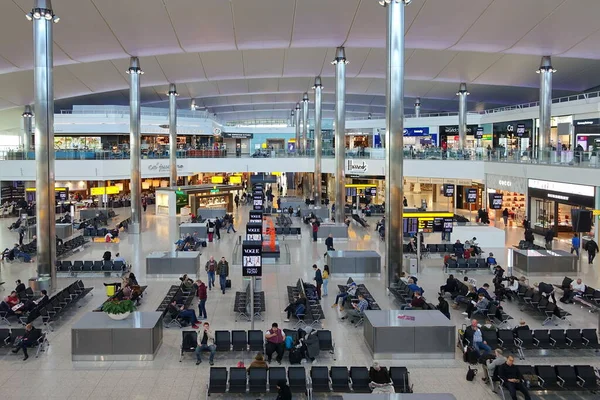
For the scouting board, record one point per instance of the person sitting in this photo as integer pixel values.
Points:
(293, 307)
(259, 362)
(467, 253)
(480, 307)
(107, 256)
(177, 311)
(275, 342)
(118, 257)
(412, 285)
(19, 253)
(309, 344)
(491, 260)
(29, 339)
(31, 304)
(546, 290)
(466, 299)
(450, 287)
(351, 289)
(443, 307)
(484, 290)
(522, 327)
(132, 280)
(449, 257)
(20, 286)
(12, 299)
(380, 380)
(283, 391)
(206, 342)
(513, 378)
(492, 364)
(186, 283)
(512, 288)
(459, 249)
(404, 277)
(417, 302)
(474, 336)
(127, 292)
(358, 309)
(576, 288)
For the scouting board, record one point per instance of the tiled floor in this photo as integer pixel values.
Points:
(54, 375)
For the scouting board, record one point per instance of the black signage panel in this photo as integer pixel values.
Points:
(410, 225)
(471, 195)
(520, 130)
(255, 216)
(229, 135)
(448, 189)
(257, 199)
(452, 130)
(448, 224)
(587, 122)
(372, 191)
(567, 198)
(254, 231)
(495, 201)
(479, 133)
(251, 258)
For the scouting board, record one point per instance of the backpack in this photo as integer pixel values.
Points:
(471, 374)
(470, 355)
(289, 342)
(295, 356)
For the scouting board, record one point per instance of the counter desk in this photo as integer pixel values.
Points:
(354, 262)
(173, 263)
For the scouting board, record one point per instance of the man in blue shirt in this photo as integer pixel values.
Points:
(414, 287)
(358, 309)
(575, 244)
(484, 291)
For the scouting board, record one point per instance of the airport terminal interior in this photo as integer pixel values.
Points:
(287, 199)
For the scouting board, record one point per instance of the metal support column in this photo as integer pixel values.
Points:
(27, 116)
(462, 115)
(394, 141)
(297, 119)
(43, 19)
(292, 119)
(305, 123)
(318, 87)
(173, 133)
(134, 72)
(340, 133)
(418, 107)
(543, 142)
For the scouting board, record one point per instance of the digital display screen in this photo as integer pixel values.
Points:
(496, 200)
(448, 224)
(257, 201)
(520, 130)
(410, 225)
(350, 191)
(251, 258)
(471, 195)
(448, 190)
(255, 216)
(372, 191)
(426, 225)
(479, 133)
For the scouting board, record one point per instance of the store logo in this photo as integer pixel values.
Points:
(505, 183)
(585, 122)
(510, 128)
(162, 167)
(558, 197)
(351, 167)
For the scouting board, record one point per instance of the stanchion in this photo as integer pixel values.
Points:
(251, 300)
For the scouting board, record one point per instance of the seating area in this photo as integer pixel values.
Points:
(464, 265)
(533, 301)
(8, 336)
(589, 299)
(362, 289)
(404, 295)
(56, 306)
(91, 268)
(70, 246)
(136, 297)
(241, 305)
(251, 340)
(183, 296)
(321, 380)
(556, 339)
(313, 314)
(555, 378)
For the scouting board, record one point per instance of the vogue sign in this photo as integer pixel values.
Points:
(358, 167)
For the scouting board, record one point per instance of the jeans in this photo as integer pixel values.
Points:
(205, 347)
(319, 290)
(314, 236)
(478, 346)
(231, 228)
(223, 282)
(576, 250)
(342, 296)
(325, 282)
(189, 315)
(26, 257)
(211, 279)
(23, 345)
(513, 387)
(202, 309)
(505, 220)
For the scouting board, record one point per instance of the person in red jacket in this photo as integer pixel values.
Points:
(202, 296)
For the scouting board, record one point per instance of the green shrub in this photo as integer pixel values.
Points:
(118, 307)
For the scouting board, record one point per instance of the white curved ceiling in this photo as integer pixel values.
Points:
(255, 58)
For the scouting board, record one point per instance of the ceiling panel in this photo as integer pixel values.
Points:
(15, 35)
(512, 69)
(263, 98)
(163, 92)
(374, 65)
(67, 85)
(587, 48)
(324, 21)
(263, 24)
(198, 89)
(295, 84)
(233, 86)
(222, 64)
(185, 67)
(489, 32)
(263, 63)
(427, 64)
(80, 25)
(573, 73)
(17, 87)
(100, 76)
(300, 62)
(202, 27)
(436, 25)
(579, 19)
(154, 36)
(417, 88)
(263, 85)
(153, 74)
(241, 99)
(358, 57)
(358, 85)
(467, 66)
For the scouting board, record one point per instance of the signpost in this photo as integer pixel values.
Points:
(252, 246)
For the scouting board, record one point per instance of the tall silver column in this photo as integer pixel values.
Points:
(418, 107)
(173, 133)
(462, 115)
(27, 115)
(297, 128)
(545, 71)
(305, 123)
(134, 72)
(318, 87)
(394, 139)
(340, 133)
(292, 122)
(43, 19)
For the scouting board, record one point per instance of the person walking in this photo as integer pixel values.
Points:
(202, 297)
(218, 225)
(325, 276)
(315, 229)
(230, 227)
(144, 203)
(223, 272)
(211, 266)
(592, 248)
(575, 242)
(237, 200)
(549, 238)
(329, 244)
(505, 217)
(318, 280)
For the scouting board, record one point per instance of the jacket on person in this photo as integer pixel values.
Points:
(312, 345)
(223, 268)
(591, 247)
(258, 364)
(32, 335)
(329, 243)
(202, 295)
(211, 337)
(210, 265)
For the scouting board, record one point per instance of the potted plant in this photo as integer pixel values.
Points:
(118, 309)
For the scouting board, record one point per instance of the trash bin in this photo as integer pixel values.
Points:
(33, 284)
(111, 288)
(257, 285)
(43, 283)
(413, 266)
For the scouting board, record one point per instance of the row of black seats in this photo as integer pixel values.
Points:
(241, 304)
(533, 300)
(8, 336)
(183, 297)
(362, 289)
(91, 266)
(252, 340)
(70, 245)
(319, 380)
(313, 313)
(590, 295)
(466, 264)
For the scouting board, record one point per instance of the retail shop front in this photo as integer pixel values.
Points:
(238, 141)
(513, 135)
(449, 135)
(202, 199)
(550, 204)
(506, 192)
(587, 133)
(419, 137)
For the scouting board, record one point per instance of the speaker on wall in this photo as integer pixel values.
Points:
(582, 220)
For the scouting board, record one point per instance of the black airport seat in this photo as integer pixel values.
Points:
(400, 379)
(558, 339)
(223, 340)
(542, 338)
(491, 337)
(118, 266)
(107, 266)
(590, 338)
(586, 376)
(97, 266)
(506, 339)
(77, 266)
(239, 340)
(237, 380)
(326, 341)
(256, 341)
(217, 381)
(189, 341)
(319, 377)
(276, 375)
(87, 266)
(574, 339)
(567, 377)
(547, 376)
(359, 377)
(340, 379)
(525, 339)
(257, 380)
(297, 380)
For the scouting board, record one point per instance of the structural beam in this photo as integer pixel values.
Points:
(173, 133)
(462, 115)
(318, 147)
(340, 133)
(135, 185)
(543, 140)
